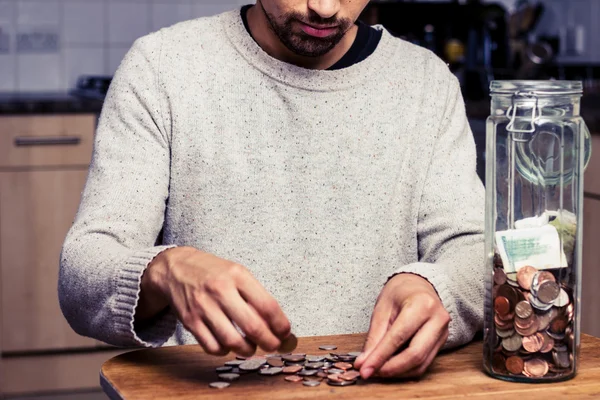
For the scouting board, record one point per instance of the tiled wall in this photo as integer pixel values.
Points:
(46, 44)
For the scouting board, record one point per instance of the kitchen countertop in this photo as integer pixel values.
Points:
(47, 103)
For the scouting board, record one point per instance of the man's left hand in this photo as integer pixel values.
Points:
(408, 311)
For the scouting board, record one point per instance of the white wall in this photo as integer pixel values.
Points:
(68, 38)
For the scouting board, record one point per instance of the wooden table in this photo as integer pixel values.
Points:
(184, 372)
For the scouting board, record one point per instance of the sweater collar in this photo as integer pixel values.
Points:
(303, 78)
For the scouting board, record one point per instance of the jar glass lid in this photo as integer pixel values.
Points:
(538, 88)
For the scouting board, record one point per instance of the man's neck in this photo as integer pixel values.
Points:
(267, 39)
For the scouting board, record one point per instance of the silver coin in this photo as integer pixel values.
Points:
(555, 336)
(335, 371)
(328, 347)
(219, 385)
(234, 363)
(229, 377)
(311, 383)
(346, 358)
(313, 365)
(547, 292)
(310, 358)
(538, 305)
(226, 368)
(561, 359)
(505, 333)
(562, 299)
(308, 372)
(512, 343)
(355, 353)
(253, 364)
(340, 383)
(271, 371)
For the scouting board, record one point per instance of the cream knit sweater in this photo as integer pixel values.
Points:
(322, 183)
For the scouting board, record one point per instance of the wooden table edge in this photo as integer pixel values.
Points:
(111, 391)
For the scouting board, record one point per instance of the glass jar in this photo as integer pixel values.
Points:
(537, 149)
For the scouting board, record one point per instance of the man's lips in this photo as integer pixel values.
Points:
(316, 31)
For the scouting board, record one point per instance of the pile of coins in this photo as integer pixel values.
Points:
(533, 317)
(336, 369)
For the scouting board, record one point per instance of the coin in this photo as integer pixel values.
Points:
(514, 365)
(225, 368)
(538, 305)
(559, 325)
(502, 305)
(548, 291)
(343, 365)
(543, 276)
(313, 365)
(314, 358)
(340, 382)
(523, 309)
(335, 371)
(322, 374)
(545, 318)
(504, 333)
(512, 343)
(498, 363)
(528, 331)
(355, 353)
(548, 343)
(328, 347)
(350, 375)
(562, 299)
(561, 359)
(533, 343)
(234, 363)
(288, 344)
(311, 383)
(307, 372)
(525, 276)
(499, 276)
(252, 364)
(536, 367)
(292, 369)
(229, 377)
(275, 362)
(219, 385)
(510, 293)
(271, 371)
(294, 358)
(293, 378)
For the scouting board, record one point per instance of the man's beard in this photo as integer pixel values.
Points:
(302, 43)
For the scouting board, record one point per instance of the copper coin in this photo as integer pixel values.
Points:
(529, 331)
(499, 276)
(334, 377)
(498, 363)
(525, 323)
(288, 344)
(510, 293)
(523, 309)
(502, 305)
(548, 344)
(544, 276)
(294, 378)
(533, 343)
(506, 318)
(514, 365)
(350, 375)
(219, 385)
(525, 276)
(322, 374)
(343, 365)
(536, 367)
(501, 324)
(292, 369)
(293, 358)
(548, 292)
(275, 362)
(559, 325)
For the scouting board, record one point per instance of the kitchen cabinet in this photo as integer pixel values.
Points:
(590, 297)
(43, 168)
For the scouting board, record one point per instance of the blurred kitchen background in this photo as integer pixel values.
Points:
(56, 61)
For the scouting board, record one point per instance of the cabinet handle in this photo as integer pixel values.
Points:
(47, 141)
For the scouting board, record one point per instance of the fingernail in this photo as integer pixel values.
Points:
(367, 373)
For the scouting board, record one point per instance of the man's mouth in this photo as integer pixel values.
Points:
(318, 31)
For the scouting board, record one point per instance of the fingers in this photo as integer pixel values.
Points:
(249, 321)
(266, 306)
(408, 322)
(380, 323)
(423, 348)
(222, 328)
(206, 339)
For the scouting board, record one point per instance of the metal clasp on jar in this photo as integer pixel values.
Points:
(511, 113)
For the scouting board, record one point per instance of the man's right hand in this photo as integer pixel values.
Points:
(208, 293)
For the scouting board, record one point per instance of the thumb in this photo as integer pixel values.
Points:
(380, 323)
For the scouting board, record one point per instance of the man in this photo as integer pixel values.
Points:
(275, 169)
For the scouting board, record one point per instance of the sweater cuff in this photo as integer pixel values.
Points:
(128, 295)
(437, 276)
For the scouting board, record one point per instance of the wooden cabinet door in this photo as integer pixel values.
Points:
(37, 208)
(590, 296)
